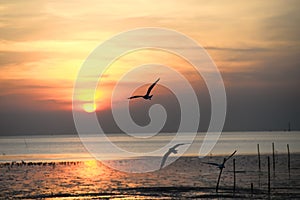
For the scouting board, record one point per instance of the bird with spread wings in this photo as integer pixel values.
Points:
(147, 95)
(220, 165)
(167, 154)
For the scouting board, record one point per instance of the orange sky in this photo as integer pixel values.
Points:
(44, 43)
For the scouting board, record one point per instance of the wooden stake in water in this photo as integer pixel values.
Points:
(273, 149)
(258, 155)
(289, 160)
(269, 176)
(251, 189)
(234, 178)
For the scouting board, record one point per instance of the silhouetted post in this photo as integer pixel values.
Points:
(269, 178)
(289, 160)
(234, 179)
(273, 149)
(258, 155)
(251, 190)
(259, 175)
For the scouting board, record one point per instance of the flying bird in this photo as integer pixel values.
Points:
(147, 95)
(220, 165)
(171, 150)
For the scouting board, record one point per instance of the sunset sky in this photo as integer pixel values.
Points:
(43, 44)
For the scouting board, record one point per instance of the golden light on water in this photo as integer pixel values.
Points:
(91, 164)
(90, 169)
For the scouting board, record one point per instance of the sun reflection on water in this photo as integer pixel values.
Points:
(91, 168)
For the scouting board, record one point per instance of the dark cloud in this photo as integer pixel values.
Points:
(277, 69)
(262, 109)
(30, 122)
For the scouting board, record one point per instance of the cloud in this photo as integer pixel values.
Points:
(31, 94)
(31, 122)
(238, 49)
(20, 57)
(273, 70)
(283, 25)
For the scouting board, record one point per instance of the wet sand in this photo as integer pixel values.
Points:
(187, 178)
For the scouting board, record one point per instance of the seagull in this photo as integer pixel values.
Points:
(147, 95)
(171, 150)
(222, 165)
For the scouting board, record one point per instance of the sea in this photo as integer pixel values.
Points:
(70, 147)
(61, 167)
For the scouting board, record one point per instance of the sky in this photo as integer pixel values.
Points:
(43, 44)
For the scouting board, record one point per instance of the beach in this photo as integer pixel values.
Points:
(186, 178)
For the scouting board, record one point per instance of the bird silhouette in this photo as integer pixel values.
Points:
(220, 165)
(171, 150)
(147, 95)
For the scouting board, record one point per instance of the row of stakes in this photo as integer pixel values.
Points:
(269, 168)
(23, 163)
(274, 163)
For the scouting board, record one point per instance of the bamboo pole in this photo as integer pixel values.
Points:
(289, 160)
(251, 190)
(269, 178)
(234, 178)
(273, 150)
(258, 155)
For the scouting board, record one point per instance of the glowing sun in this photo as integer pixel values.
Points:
(89, 107)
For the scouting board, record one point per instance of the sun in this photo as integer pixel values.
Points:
(89, 107)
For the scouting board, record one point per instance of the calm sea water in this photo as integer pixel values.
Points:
(69, 147)
(186, 178)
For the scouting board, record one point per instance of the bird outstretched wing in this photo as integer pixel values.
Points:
(177, 145)
(210, 163)
(151, 87)
(137, 96)
(230, 155)
(165, 157)
(163, 161)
